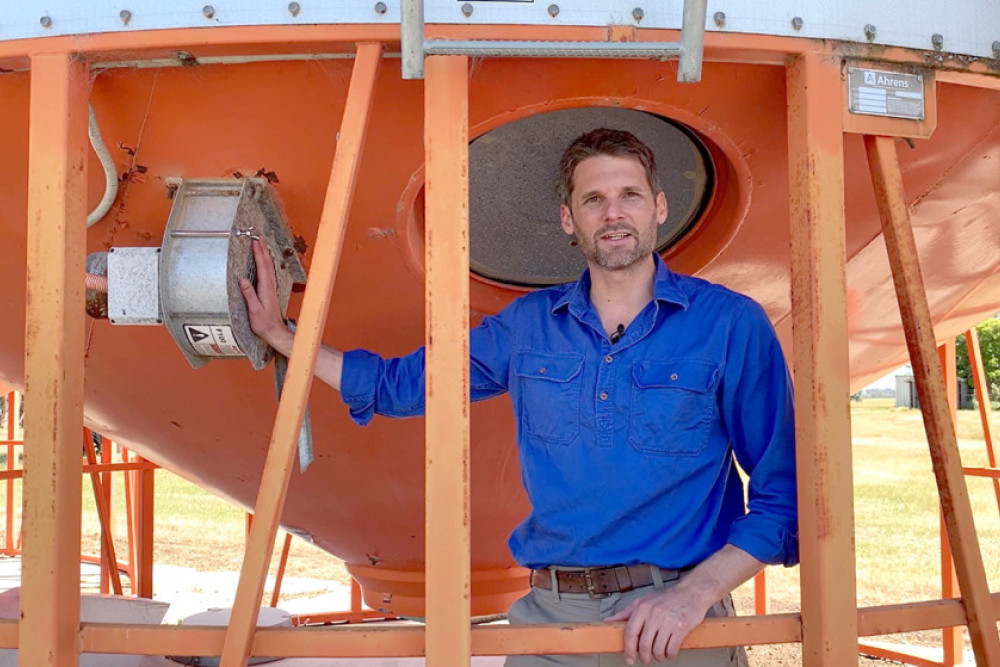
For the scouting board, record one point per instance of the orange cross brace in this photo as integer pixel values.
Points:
(302, 361)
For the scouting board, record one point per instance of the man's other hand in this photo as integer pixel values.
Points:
(658, 623)
(262, 304)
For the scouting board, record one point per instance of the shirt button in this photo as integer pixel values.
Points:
(607, 359)
(542, 371)
(673, 376)
(604, 395)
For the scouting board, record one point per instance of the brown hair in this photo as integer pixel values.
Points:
(604, 141)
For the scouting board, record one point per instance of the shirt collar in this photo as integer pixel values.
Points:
(665, 288)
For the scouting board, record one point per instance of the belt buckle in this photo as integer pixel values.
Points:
(589, 580)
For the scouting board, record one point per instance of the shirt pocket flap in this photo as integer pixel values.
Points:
(687, 374)
(554, 368)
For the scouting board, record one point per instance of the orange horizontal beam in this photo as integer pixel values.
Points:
(361, 641)
(366, 642)
(982, 472)
(341, 617)
(974, 79)
(97, 467)
(267, 39)
(916, 656)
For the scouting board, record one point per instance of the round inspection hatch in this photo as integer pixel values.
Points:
(514, 232)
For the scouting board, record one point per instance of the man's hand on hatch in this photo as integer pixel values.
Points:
(262, 305)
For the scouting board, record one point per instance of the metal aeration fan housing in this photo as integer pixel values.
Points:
(191, 283)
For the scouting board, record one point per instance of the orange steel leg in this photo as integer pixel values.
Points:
(9, 524)
(298, 380)
(760, 602)
(929, 376)
(951, 638)
(280, 574)
(130, 522)
(446, 303)
(983, 398)
(355, 597)
(819, 331)
(108, 559)
(53, 367)
(106, 479)
(142, 585)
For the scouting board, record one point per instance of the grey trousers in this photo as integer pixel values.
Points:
(542, 606)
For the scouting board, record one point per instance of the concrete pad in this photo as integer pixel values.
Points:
(93, 609)
(188, 592)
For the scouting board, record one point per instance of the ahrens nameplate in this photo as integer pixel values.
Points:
(882, 93)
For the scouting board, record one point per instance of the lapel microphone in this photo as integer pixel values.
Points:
(617, 334)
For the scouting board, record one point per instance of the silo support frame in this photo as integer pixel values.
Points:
(55, 251)
(821, 362)
(302, 361)
(983, 397)
(446, 306)
(951, 638)
(54, 342)
(929, 376)
(102, 502)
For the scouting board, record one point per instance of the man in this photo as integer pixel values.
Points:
(633, 389)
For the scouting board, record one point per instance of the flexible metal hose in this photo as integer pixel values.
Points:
(96, 282)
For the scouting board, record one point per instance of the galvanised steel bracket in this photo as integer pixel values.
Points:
(688, 50)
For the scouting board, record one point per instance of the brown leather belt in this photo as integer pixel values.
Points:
(601, 582)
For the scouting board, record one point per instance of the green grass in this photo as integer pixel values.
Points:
(896, 511)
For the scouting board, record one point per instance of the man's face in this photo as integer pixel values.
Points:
(613, 211)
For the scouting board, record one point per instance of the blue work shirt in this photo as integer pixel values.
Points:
(627, 448)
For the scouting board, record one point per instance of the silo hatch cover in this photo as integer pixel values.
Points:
(514, 233)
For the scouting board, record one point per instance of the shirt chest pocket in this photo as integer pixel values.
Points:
(549, 401)
(673, 406)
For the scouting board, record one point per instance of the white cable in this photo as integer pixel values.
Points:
(110, 175)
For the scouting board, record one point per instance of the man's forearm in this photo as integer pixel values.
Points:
(719, 574)
(329, 362)
(330, 366)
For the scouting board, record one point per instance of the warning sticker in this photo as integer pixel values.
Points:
(197, 335)
(212, 340)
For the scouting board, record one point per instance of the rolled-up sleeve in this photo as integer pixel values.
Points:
(394, 387)
(758, 415)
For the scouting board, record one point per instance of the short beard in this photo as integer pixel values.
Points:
(616, 260)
